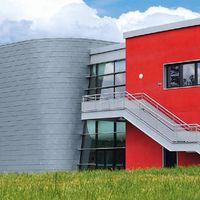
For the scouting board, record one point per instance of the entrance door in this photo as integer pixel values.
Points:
(170, 158)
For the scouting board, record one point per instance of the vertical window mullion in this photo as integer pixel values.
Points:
(96, 77)
(114, 145)
(114, 80)
(96, 142)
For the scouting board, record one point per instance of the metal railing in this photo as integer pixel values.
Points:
(170, 120)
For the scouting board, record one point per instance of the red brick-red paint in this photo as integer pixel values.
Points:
(141, 151)
(188, 159)
(147, 55)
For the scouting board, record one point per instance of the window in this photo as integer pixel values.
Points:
(189, 74)
(105, 68)
(93, 70)
(183, 75)
(198, 72)
(103, 142)
(174, 76)
(120, 79)
(107, 77)
(103, 145)
(120, 66)
(105, 133)
(105, 81)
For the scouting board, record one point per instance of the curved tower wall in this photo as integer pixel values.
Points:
(41, 84)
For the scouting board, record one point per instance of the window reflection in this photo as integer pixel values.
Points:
(90, 127)
(174, 78)
(100, 159)
(100, 81)
(89, 141)
(92, 82)
(120, 66)
(120, 158)
(105, 149)
(88, 156)
(120, 79)
(188, 74)
(121, 129)
(105, 68)
(93, 70)
(183, 75)
(105, 133)
(198, 72)
(104, 81)
(105, 127)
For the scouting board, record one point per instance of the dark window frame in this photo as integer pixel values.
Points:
(114, 149)
(181, 82)
(96, 88)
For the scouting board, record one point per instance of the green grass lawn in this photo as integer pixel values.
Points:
(179, 184)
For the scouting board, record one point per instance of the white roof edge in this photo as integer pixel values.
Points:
(162, 28)
(107, 48)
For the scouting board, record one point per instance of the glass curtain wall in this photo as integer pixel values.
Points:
(103, 141)
(106, 78)
(103, 145)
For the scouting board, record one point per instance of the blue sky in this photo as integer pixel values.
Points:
(115, 8)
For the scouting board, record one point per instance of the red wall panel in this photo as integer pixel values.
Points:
(188, 159)
(141, 151)
(147, 55)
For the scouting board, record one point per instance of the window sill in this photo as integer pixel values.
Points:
(185, 87)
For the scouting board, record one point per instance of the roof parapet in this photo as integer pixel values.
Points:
(162, 28)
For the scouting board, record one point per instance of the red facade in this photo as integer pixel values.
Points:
(147, 55)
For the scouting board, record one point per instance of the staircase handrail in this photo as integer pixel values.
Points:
(169, 114)
(148, 99)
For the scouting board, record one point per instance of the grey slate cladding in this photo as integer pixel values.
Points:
(41, 85)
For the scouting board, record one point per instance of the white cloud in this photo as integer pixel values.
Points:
(32, 9)
(153, 16)
(27, 19)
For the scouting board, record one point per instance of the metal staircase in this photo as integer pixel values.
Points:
(147, 115)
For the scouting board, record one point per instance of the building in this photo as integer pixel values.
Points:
(41, 85)
(140, 101)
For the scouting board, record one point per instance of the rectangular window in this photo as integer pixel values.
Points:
(120, 66)
(105, 68)
(90, 127)
(93, 70)
(121, 129)
(105, 134)
(183, 74)
(120, 79)
(105, 127)
(89, 141)
(88, 156)
(189, 74)
(92, 82)
(106, 75)
(103, 145)
(174, 76)
(105, 81)
(198, 73)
